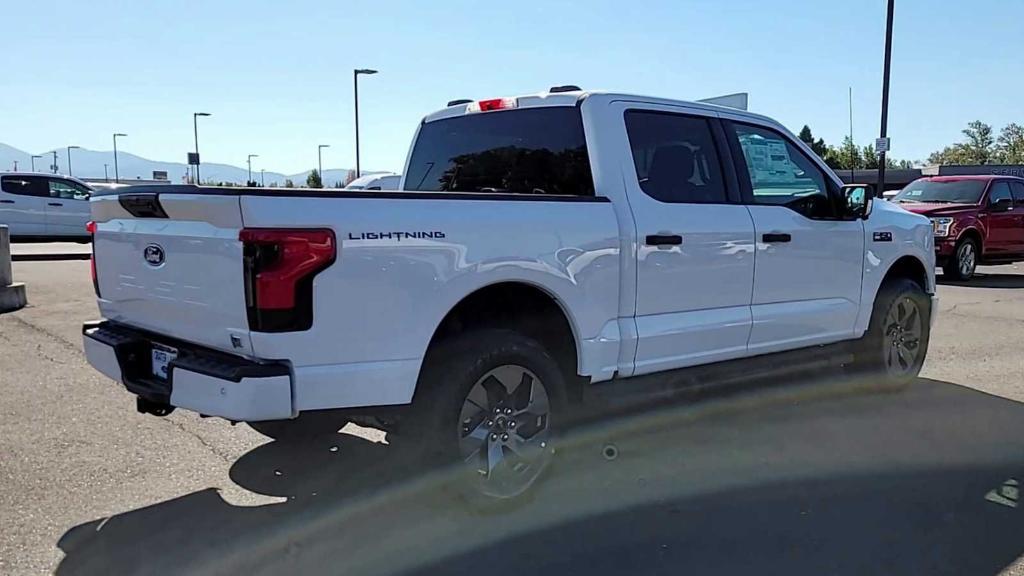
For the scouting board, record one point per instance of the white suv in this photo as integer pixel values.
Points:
(36, 205)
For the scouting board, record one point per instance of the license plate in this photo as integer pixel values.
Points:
(162, 356)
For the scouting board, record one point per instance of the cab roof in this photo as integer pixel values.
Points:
(955, 177)
(576, 97)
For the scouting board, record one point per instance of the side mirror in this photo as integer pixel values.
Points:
(1002, 205)
(857, 199)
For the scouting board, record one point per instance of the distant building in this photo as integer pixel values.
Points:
(896, 179)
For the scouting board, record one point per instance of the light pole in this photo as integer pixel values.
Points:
(105, 177)
(195, 132)
(320, 161)
(70, 148)
(34, 161)
(355, 83)
(262, 185)
(249, 162)
(885, 98)
(117, 176)
(54, 161)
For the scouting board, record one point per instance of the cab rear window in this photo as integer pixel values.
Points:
(522, 151)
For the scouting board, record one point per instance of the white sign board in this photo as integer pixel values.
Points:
(881, 145)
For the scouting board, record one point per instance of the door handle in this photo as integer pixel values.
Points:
(54, 204)
(776, 237)
(664, 240)
(6, 201)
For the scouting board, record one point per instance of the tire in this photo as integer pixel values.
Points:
(308, 425)
(896, 343)
(487, 407)
(963, 261)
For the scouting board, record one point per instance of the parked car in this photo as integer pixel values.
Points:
(977, 219)
(44, 206)
(528, 267)
(375, 182)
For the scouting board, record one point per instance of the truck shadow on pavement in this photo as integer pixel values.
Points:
(834, 478)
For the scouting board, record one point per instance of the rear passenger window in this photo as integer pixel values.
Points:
(524, 151)
(675, 157)
(25, 185)
(1000, 191)
(782, 175)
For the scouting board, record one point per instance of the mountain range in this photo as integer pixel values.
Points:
(87, 163)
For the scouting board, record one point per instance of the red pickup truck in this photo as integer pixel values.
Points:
(977, 219)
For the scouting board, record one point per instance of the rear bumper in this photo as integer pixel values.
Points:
(199, 379)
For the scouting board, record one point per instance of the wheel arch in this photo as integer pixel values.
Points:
(911, 268)
(524, 306)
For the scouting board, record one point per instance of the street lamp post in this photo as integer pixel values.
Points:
(70, 148)
(355, 83)
(117, 176)
(249, 162)
(262, 185)
(195, 132)
(34, 161)
(320, 161)
(885, 99)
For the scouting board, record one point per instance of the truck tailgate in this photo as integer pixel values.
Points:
(173, 265)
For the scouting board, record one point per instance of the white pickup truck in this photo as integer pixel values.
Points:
(542, 248)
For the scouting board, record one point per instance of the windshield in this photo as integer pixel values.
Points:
(528, 151)
(943, 191)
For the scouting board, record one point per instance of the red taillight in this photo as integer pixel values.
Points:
(493, 104)
(90, 227)
(279, 270)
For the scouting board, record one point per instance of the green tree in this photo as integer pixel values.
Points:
(288, 183)
(955, 154)
(313, 180)
(846, 157)
(818, 145)
(980, 144)
(1011, 144)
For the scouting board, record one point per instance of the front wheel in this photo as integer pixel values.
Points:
(488, 404)
(896, 342)
(963, 262)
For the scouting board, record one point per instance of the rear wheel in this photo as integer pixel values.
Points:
(307, 425)
(963, 262)
(488, 404)
(896, 342)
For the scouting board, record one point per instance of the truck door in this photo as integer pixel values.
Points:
(1017, 188)
(1003, 222)
(67, 209)
(809, 262)
(695, 263)
(23, 204)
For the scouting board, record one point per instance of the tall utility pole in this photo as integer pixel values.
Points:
(249, 162)
(852, 150)
(320, 160)
(195, 132)
(70, 148)
(117, 176)
(355, 83)
(885, 98)
(34, 156)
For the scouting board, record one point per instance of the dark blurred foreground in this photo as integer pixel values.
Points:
(800, 478)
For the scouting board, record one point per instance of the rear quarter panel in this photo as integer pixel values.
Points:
(379, 304)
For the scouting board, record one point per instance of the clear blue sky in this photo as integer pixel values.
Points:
(277, 75)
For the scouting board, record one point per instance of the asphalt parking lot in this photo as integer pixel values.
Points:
(813, 476)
